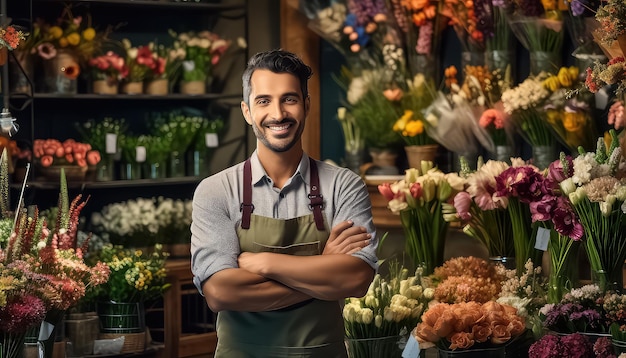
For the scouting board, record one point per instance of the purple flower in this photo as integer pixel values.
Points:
(542, 210)
(577, 7)
(603, 348)
(523, 182)
(531, 7)
(549, 346)
(565, 220)
(561, 169)
(424, 39)
(576, 345)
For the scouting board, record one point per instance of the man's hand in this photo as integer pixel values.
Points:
(252, 262)
(345, 238)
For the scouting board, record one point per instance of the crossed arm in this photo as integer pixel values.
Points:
(269, 281)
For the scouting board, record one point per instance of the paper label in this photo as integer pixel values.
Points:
(602, 98)
(111, 143)
(211, 140)
(543, 237)
(412, 348)
(140, 154)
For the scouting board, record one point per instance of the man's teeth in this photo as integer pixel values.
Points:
(279, 128)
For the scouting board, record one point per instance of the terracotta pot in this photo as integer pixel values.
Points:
(157, 87)
(105, 87)
(132, 88)
(192, 87)
(418, 153)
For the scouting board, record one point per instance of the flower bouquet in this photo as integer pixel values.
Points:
(42, 270)
(107, 71)
(463, 16)
(597, 193)
(354, 145)
(524, 103)
(419, 199)
(137, 65)
(580, 310)
(202, 52)
(483, 214)
(73, 156)
(565, 346)
(377, 325)
(497, 35)
(471, 326)
(157, 155)
(465, 279)
(538, 26)
(569, 114)
(10, 37)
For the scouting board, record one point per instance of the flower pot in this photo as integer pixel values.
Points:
(192, 87)
(353, 160)
(61, 72)
(72, 172)
(132, 88)
(105, 87)
(385, 160)
(388, 347)
(82, 331)
(121, 317)
(417, 153)
(157, 87)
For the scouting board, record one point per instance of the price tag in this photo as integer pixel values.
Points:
(543, 237)
(211, 140)
(412, 348)
(111, 143)
(140, 154)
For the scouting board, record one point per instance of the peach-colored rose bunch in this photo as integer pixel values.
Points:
(469, 325)
(464, 279)
(68, 152)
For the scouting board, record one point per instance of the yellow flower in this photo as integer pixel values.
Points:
(63, 42)
(89, 34)
(56, 32)
(413, 128)
(73, 39)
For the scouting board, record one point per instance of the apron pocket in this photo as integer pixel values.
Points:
(301, 249)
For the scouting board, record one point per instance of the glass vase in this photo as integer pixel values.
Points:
(563, 273)
(504, 153)
(131, 171)
(12, 344)
(52, 328)
(105, 170)
(176, 167)
(500, 61)
(543, 155)
(197, 163)
(60, 73)
(21, 72)
(541, 61)
(155, 170)
(472, 58)
(388, 347)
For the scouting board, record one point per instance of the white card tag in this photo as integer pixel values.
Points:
(543, 237)
(602, 98)
(111, 143)
(140, 154)
(211, 140)
(412, 348)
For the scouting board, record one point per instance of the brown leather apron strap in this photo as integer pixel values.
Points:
(316, 200)
(246, 207)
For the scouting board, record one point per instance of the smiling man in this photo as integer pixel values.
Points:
(280, 240)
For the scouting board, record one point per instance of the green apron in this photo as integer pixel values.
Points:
(313, 328)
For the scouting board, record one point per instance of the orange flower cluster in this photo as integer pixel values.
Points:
(465, 325)
(464, 279)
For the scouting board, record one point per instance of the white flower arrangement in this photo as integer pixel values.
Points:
(144, 221)
(527, 94)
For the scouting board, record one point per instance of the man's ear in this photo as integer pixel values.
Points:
(246, 112)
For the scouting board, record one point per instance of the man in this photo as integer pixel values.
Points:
(263, 251)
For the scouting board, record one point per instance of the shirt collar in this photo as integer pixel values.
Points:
(258, 173)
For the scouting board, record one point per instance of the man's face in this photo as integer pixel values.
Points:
(277, 111)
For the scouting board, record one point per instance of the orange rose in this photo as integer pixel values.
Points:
(93, 157)
(510, 310)
(445, 324)
(481, 332)
(500, 334)
(393, 94)
(426, 333)
(493, 306)
(434, 312)
(461, 340)
(46, 160)
(517, 326)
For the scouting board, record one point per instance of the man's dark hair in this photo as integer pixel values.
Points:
(277, 61)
